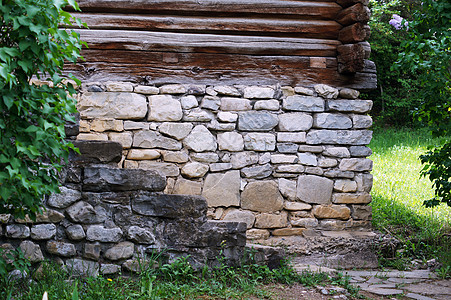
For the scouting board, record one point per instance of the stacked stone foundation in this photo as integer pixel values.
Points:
(290, 162)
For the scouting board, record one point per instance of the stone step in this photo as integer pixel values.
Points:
(105, 179)
(97, 152)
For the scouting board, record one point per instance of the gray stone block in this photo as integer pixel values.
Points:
(257, 121)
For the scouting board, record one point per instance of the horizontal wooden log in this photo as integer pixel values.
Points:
(347, 3)
(204, 68)
(351, 58)
(316, 9)
(319, 29)
(354, 33)
(206, 43)
(356, 13)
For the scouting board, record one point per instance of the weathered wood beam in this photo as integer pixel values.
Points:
(351, 58)
(347, 3)
(318, 9)
(354, 33)
(319, 29)
(356, 13)
(206, 43)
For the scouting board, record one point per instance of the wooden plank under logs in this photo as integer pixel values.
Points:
(206, 43)
(202, 68)
(319, 29)
(313, 9)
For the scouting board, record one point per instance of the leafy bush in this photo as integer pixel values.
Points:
(32, 116)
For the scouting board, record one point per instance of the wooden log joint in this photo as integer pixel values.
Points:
(347, 3)
(354, 14)
(351, 58)
(355, 33)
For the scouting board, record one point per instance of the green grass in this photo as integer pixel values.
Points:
(178, 280)
(398, 194)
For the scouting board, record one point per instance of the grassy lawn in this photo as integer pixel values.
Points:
(398, 194)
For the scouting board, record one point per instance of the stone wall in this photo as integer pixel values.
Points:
(288, 161)
(109, 220)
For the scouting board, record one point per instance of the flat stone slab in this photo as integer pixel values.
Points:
(383, 292)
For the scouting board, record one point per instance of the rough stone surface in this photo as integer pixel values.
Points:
(128, 106)
(82, 212)
(257, 234)
(17, 231)
(262, 196)
(102, 234)
(361, 122)
(287, 188)
(346, 198)
(349, 93)
(65, 198)
(355, 106)
(107, 125)
(304, 103)
(360, 151)
(257, 121)
(257, 172)
(188, 102)
(175, 156)
(187, 187)
(230, 141)
(210, 102)
(304, 222)
(31, 251)
(235, 215)
(194, 170)
(287, 147)
(283, 159)
(75, 232)
(222, 189)
(123, 138)
(332, 212)
(163, 169)
(257, 92)
(120, 251)
(326, 91)
(109, 269)
(332, 121)
(197, 115)
(303, 91)
(146, 90)
(143, 154)
(308, 159)
(314, 189)
(61, 248)
(82, 267)
(267, 105)
(227, 90)
(176, 130)
(235, 104)
(343, 137)
(43, 231)
(152, 139)
(260, 141)
(140, 235)
(297, 206)
(225, 116)
(295, 122)
(298, 137)
(266, 220)
(345, 186)
(172, 89)
(356, 164)
(200, 140)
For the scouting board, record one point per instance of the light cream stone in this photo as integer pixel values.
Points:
(258, 92)
(356, 164)
(189, 102)
(345, 186)
(312, 149)
(225, 116)
(194, 170)
(308, 159)
(324, 162)
(297, 206)
(175, 156)
(243, 159)
(264, 158)
(346, 198)
(364, 182)
(262, 196)
(287, 188)
(200, 140)
(260, 141)
(340, 152)
(235, 104)
(187, 187)
(332, 121)
(287, 231)
(219, 167)
(92, 137)
(210, 102)
(361, 121)
(236, 215)
(303, 91)
(266, 220)
(307, 222)
(298, 137)
(314, 189)
(332, 212)
(215, 125)
(119, 87)
(176, 130)
(326, 91)
(172, 89)
(165, 169)
(257, 234)
(170, 184)
(230, 141)
(283, 159)
(222, 189)
(164, 108)
(314, 171)
(356, 106)
(349, 93)
(123, 138)
(295, 121)
(147, 90)
(84, 126)
(290, 168)
(205, 157)
(131, 164)
(130, 125)
(107, 125)
(128, 106)
(143, 154)
(287, 91)
(267, 105)
(227, 90)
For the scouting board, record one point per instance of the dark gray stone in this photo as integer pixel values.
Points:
(360, 151)
(82, 212)
(61, 248)
(102, 234)
(169, 206)
(97, 152)
(140, 235)
(257, 121)
(120, 251)
(109, 179)
(92, 251)
(82, 267)
(65, 198)
(75, 232)
(43, 231)
(287, 147)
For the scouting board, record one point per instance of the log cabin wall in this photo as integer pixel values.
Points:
(248, 42)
